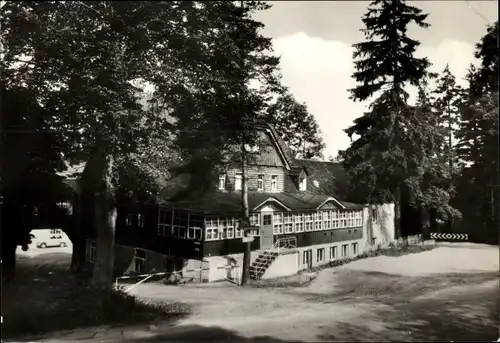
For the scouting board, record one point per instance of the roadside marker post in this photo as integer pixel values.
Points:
(449, 236)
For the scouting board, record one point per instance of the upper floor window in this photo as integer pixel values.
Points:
(140, 220)
(374, 215)
(260, 182)
(303, 184)
(222, 181)
(237, 182)
(128, 220)
(274, 183)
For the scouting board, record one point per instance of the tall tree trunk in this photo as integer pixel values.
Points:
(8, 262)
(397, 212)
(425, 221)
(105, 221)
(245, 214)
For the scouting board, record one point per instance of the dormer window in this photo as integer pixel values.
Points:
(303, 184)
(237, 181)
(274, 183)
(251, 148)
(222, 182)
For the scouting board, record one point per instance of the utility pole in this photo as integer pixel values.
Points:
(245, 215)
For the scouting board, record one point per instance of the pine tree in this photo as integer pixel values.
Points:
(448, 100)
(478, 142)
(83, 60)
(296, 126)
(393, 141)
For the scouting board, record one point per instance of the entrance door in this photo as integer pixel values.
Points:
(266, 231)
(307, 258)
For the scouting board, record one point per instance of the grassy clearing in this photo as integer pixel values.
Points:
(51, 301)
(303, 279)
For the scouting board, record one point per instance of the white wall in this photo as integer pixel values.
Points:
(216, 262)
(283, 265)
(381, 228)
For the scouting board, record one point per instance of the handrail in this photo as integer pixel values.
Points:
(281, 243)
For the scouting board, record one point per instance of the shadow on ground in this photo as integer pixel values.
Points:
(198, 333)
(453, 307)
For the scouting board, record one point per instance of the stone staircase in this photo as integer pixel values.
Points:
(260, 265)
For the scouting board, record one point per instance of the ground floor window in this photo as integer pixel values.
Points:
(354, 248)
(345, 251)
(307, 256)
(320, 255)
(140, 259)
(333, 253)
(91, 251)
(374, 241)
(194, 233)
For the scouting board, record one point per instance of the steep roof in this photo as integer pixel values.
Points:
(325, 177)
(215, 202)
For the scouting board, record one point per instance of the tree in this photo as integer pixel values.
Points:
(296, 126)
(218, 125)
(30, 159)
(448, 101)
(478, 143)
(386, 162)
(82, 69)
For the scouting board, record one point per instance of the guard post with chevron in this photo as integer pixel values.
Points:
(442, 236)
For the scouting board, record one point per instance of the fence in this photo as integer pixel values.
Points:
(179, 273)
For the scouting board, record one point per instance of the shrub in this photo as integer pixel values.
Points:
(88, 307)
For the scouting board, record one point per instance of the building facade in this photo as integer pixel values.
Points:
(299, 221)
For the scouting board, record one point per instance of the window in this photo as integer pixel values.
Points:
(374, 215)
(303, 184)
(260, 182)
(237, 181)
(333, 253)
(354, 248)
(320, 255)
(345, 251)
(267, 219)
(128, 220)
(299, 227)
(140, 259)
(307, 256)
(254, 219)
(211, 234)
(222, 182)
(289, 228)
(91, 251)
(309, 226)
(55, 232)
(374, 241)
(238, 231)
(274, 183)
(278, 223)
(194, 233)
(67, 206)
(165, 223)
(140, 220)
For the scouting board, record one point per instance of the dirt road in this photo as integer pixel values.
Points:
(448, 294)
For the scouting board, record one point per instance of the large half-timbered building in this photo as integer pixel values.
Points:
(296, 207)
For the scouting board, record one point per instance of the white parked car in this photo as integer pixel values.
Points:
(50, 238)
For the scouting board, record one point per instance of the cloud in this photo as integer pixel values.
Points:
(318, 72)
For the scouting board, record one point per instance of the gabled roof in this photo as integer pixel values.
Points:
(325, 177)
(215, 202)
(282, 147)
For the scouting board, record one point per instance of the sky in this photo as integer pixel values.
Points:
(314, 40)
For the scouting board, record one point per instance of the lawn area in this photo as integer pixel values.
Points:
(45, 298)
